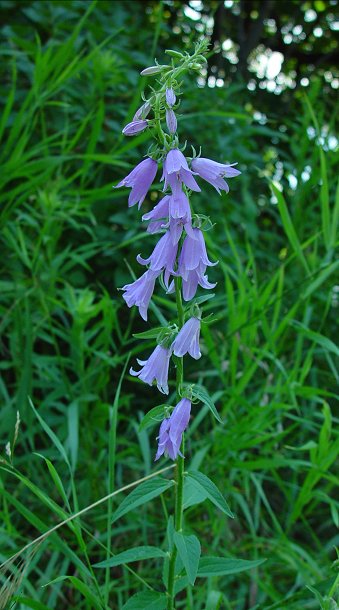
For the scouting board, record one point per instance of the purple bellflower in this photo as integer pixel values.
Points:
(140, 292)
(172, 429)
(131, 129)
(155, 368)
(158, 216)
(162, 257)
(193, 255)
(214, 172)
(177, 171)
(187, 340)
(170, 97)
(140, 179)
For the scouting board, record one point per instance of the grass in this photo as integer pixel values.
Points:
(269, 354)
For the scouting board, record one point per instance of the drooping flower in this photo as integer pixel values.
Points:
(214, 172)
(158, 216)
(155, 368)
(176, 171)
(162, 257)
(187, 340)
(140, 292)
(134, 127)
(179, 206)
(171, 120)
(170, 97)
(193, 255)
(193, 279)
(172, 429)
(140, 179)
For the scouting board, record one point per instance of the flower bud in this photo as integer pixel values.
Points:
(170, 97)
(131, 129)
(152, 70)
(142, 112)
(171, 121)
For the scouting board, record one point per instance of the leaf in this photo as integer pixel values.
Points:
(288, 225)
(201, 394)
(325, 342)
(51, 435)
(147, 600)
(140, 495)
(137, 554)
(202, 482)
(84, 589)
(218, 566)
(189, 552)
(192, 494)
(152, 417)
(152, 333)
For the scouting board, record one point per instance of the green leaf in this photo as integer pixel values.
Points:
(152, 333)
(192, 494)
(147, 600)
(201, 394)
(326, 343)
(152, 417)
(288, 225)
(137, 554)
(51, 435)
(84, 589)
(204, 484)
(218, 566)
(140, 495)
(189, 552)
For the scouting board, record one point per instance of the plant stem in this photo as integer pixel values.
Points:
(179, 467)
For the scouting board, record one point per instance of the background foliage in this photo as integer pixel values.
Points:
(70, 81)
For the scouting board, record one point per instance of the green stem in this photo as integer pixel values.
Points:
(179, 468)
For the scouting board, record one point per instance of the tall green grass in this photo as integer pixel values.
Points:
(269, 353)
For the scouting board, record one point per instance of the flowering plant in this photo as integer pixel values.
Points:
(180, 261)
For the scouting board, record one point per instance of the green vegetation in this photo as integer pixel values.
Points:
(68, 241)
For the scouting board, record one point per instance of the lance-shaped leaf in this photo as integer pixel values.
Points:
(137, 554)
(140, 495)
(189, 551)
(146, 600)
(218, 566)
(203, 483)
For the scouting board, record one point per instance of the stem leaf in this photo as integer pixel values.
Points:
(137, 554)
(146, 600)
(201, 394)
(189, 552)
(140, 495)
(206, 486)
(152, 417)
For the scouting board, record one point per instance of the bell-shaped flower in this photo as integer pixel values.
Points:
(163, 256)
(131, 129)
(193, 279)
(176, 171)
(179, 206)
(214, 172)
(187, 340)
(140, 180)
(155, 368)
(140, 292)
(172, 429)
(193, 255)
(158, 216)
